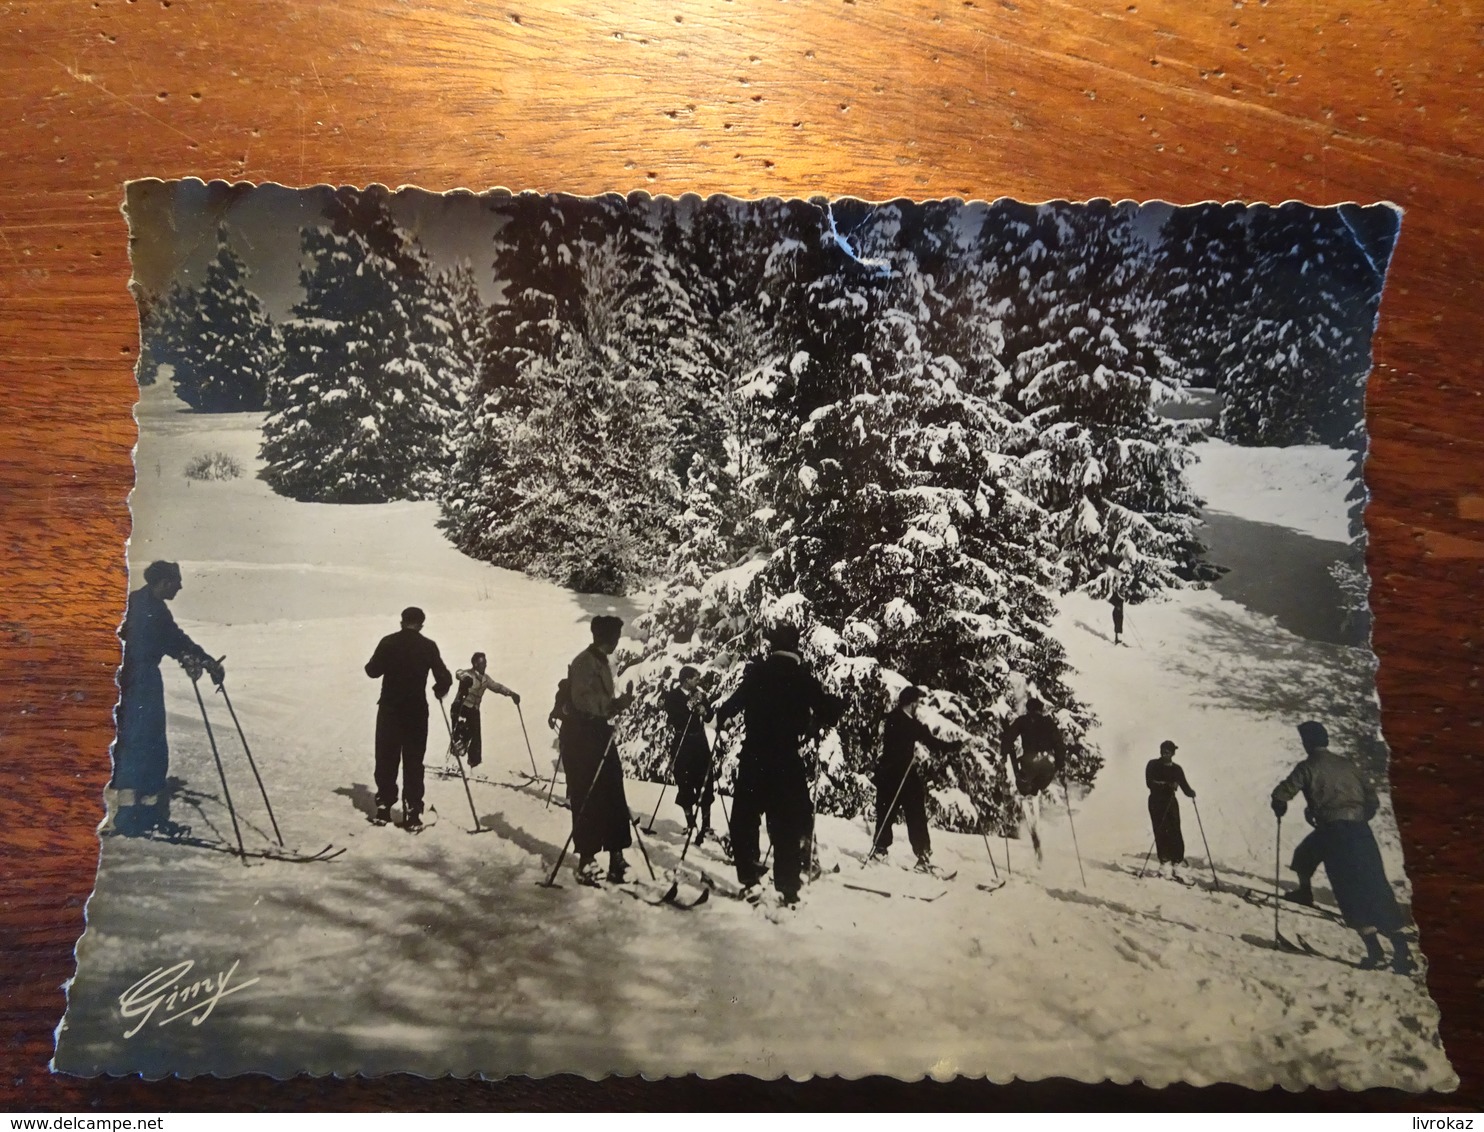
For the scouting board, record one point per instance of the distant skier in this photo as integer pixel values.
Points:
(1342, 803)
(473, 683)
(595, 789)
(898, 782)
(1164, 776)
(1042, 757)
(690, 753)
(1117, 603)
(141, 754)
(402, 661)
(781, 704)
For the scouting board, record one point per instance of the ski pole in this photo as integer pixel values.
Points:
(883, 823)
(457, 758)
(536, 774)
(990, 853)
(669, 771)
(1277, 880)
(643, 852)
(220, 770)
(1201, 826)
(222, 688)
(1067, 793)
(577, 814)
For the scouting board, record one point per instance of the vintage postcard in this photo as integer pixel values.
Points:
(784, 637)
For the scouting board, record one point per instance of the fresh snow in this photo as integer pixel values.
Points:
(1302, 487)
(441, 954)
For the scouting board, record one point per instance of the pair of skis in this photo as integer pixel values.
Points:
(282, 853)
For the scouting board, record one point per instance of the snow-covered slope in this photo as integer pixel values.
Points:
(442, 954)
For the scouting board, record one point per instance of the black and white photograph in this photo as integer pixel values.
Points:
(787, 637)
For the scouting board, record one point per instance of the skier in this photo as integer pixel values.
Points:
(781, 704)
(1042, 757)
(690, 754)
(1117, 602)
(899, 786)
(1163, 776)
(473, 683)
(600, 810)
(141, 754)
(403, 660)
(1343, 803)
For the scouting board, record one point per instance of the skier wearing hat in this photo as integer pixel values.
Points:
(1342, 804)
(141, 754)
(899, 785)
(1164, 776)
(473, 683)
(600, 809)
(402, 661)
(781, 704)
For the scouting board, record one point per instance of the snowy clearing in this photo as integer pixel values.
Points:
(441, 953)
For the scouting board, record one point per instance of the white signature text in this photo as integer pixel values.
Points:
(165, 990)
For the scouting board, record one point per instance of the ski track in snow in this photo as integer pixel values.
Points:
(442, 954)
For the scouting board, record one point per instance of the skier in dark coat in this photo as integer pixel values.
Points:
(690, 753)
(1342, 803)
(473, 683)
(781, 704)
(1164, 776)
(898, 782)
(403, 660)
(1117, 603)
(595, 791)
(141, 753)
(1041, 758)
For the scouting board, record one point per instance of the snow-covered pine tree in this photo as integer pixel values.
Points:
(1201, 279)
(1086, 373)
(704, 613)
(897, 539)
(355, 413)
(576, 484)
(538, 276)
(174, 321)
(227, 357)
(1296, 375)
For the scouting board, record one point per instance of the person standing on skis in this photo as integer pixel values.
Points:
(1041, 757)
(473, 683)
(690, 754)
(595, 790)
(781, 704)
(1117, 603)
(898, 782)
(402, 661)
(1342, 803)
(1163, 776)
(141, 753)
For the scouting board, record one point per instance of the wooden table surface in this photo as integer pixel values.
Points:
(1176, 99)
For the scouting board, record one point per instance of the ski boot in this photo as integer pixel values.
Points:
(618, 869)
(876, 857)
(412, 823)
(1303, 894)
(703, 834)
(1375, 957)
(383, 815)
(587, 872)
(925, 865)
(1401, 956)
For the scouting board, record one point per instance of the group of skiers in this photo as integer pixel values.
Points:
(783, 707)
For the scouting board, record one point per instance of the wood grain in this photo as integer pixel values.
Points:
(1037, 99)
